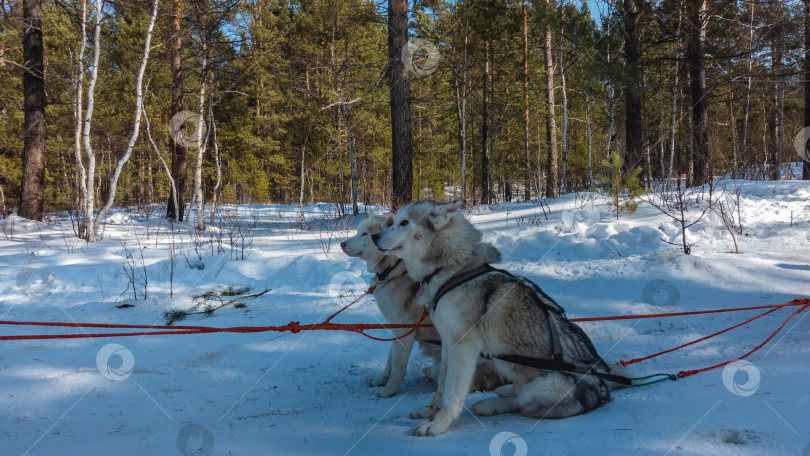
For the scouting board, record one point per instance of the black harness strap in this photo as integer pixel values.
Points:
(384, 275)
(460, 279)
(548, 305)
(560, 365)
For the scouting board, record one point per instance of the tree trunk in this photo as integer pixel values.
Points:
(217, 160)
(611, 96)
(697, 84)
(81, 173)
(345, 116)
(33, 176)
(173, 188)
(302, 218)
(733, 127)
(527, 174)
(463, 116)
(806, 167)
(400, 97)
(633, 155)
(563, 178)
(552, 182)
(201, 142)
(590, 140)
(138, 112)
(747, 107)
(90, 202)
(177, 148)
(661, 132)
(486, 195)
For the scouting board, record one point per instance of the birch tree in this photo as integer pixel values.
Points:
(90, 205)
(138, 112)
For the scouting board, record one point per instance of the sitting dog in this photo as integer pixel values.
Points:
(395, 296)
(492, 314)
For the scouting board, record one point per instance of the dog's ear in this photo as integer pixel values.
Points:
(388, 220)
(442, 213)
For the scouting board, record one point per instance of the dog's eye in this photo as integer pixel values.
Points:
(403, 223)
(365, 234)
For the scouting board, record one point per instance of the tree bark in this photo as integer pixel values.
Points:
(400, 97)
(747, 107)
(733, 128)
(486, 185)
(697, 84)
(90, 202)
(564, 178)
(81, 173)
(173, 193)
(633, 155)
(527, 174)
(202, 139)
(462, 121)
(33, 177)
(806, 166)
(217, 160)
(552, 180)
(590, 140)
(138, 112)
(178, 149)
(344, 113)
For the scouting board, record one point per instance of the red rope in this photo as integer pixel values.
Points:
(369, 291)
(795, 302)
(797, 312)
(638, 360)
(295, 327)
(415, 327)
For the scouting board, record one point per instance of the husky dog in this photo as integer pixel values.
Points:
(494, 315)
(395, 296)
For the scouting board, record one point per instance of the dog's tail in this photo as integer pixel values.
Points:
(487, 253)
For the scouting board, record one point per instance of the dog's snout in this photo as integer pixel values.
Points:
(343, 245)
(374, 237)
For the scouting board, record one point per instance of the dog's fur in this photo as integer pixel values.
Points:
(493, 314)
(395, 297)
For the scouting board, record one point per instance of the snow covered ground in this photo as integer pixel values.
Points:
(305, 394)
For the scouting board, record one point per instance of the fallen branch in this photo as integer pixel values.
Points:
(175, 315)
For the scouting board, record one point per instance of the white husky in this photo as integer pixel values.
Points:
(494, 314)
(395, 296)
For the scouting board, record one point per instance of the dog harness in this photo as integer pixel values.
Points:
(557, 363)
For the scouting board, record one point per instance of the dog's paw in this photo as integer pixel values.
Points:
(433, 426)
(377, 380)
(424, 412)
(383, 391)
(505, 391)
(431, 372)
(495, 406)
